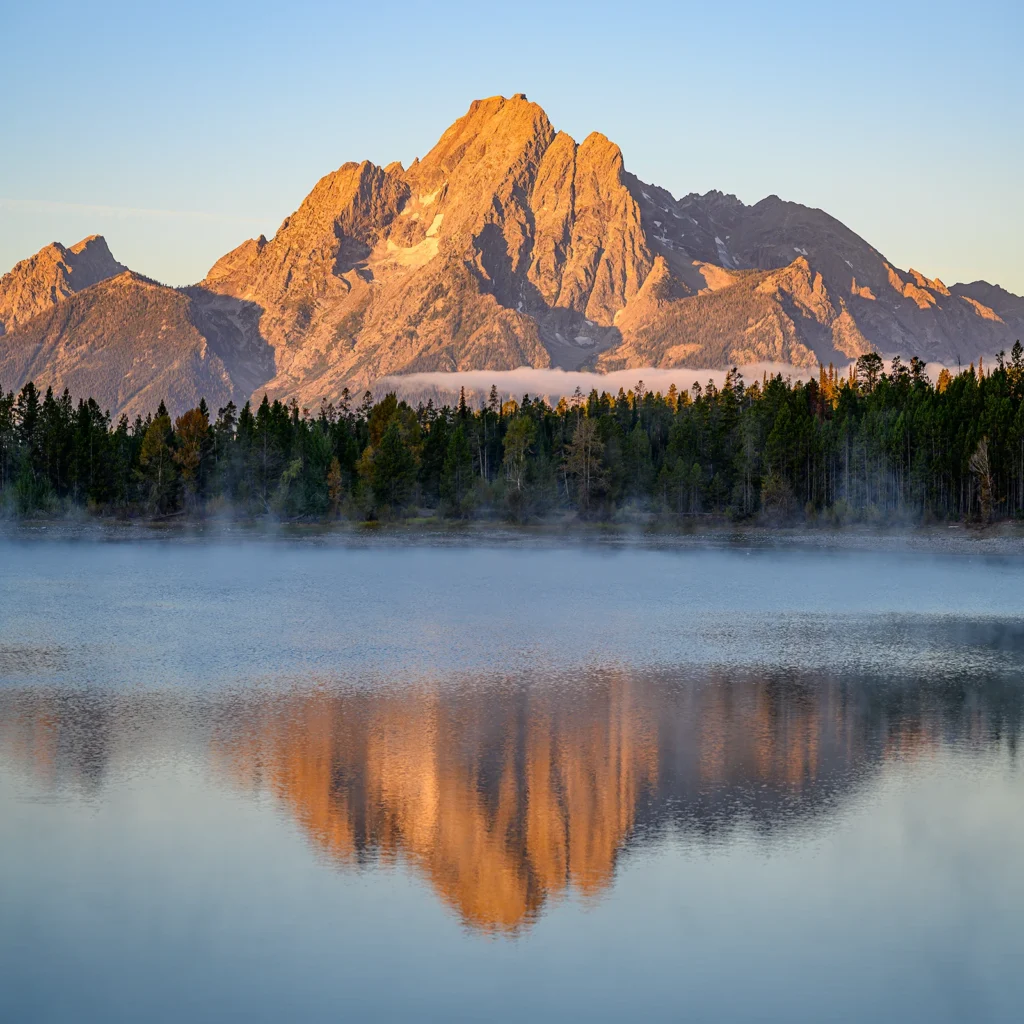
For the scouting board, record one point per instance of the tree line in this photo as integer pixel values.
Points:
(863, 445)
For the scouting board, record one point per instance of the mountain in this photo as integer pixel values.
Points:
(820, 287)
(37, 284)
(509, 244)
(130, 342)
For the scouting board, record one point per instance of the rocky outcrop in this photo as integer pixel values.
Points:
(589, 252)
(860, 301)
(779, 316)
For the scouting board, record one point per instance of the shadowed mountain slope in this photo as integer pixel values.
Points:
(130, 343)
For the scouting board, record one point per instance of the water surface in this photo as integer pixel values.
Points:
(272, 781)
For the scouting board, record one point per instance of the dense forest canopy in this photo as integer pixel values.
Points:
(867, 445)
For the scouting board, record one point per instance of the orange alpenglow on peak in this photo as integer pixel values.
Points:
(34, 285)
(507, 245)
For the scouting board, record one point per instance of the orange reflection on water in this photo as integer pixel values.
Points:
(506, 794)
(501, 804)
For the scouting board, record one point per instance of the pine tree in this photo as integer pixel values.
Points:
(157, 464)
(457, 473)
(335, 490)
(392, 470)
(583, 463)
(8, 438)
(981, 468)
(191, 431)
(638, 454)
(868, 371)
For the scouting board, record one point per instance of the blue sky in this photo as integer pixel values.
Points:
(179, 129)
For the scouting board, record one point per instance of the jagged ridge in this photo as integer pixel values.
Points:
(508, 244)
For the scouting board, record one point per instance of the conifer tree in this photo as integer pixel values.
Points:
(335, 490)
(457, 472)
(191, 430)
(583, 463)
(157, 464)
(392, 470)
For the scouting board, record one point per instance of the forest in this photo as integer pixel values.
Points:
(871, 444)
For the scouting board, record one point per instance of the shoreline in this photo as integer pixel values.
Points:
(998, 540)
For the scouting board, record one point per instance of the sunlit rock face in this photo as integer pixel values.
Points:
(508, 245)
(38, 283)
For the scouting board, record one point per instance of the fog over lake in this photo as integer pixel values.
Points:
(315, 781)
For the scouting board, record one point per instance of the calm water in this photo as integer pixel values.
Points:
(271, 782)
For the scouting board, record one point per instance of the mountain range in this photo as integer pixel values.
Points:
(509, 244)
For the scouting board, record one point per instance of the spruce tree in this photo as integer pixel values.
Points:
(457, 473)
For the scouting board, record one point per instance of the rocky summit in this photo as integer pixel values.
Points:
(509, 244)
(37, 284)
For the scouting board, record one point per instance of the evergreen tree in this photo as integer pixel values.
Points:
(583, 463)
(192, 430)
(435, 449)
(392, 470)
(871, 445)
(457, 473)
(266, 454)
(156, 463)
(8, 438)
(335, 487)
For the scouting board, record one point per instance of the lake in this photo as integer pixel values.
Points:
(315, 781)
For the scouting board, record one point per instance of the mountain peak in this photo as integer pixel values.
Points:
(36, 284)
(496, 130)
(97, 243)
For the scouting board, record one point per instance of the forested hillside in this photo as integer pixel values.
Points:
(866, 446)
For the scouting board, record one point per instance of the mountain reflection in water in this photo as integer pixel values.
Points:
(505, 793)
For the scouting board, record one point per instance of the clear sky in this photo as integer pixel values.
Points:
(179, 129)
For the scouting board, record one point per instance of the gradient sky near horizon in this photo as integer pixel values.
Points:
(177, 130)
